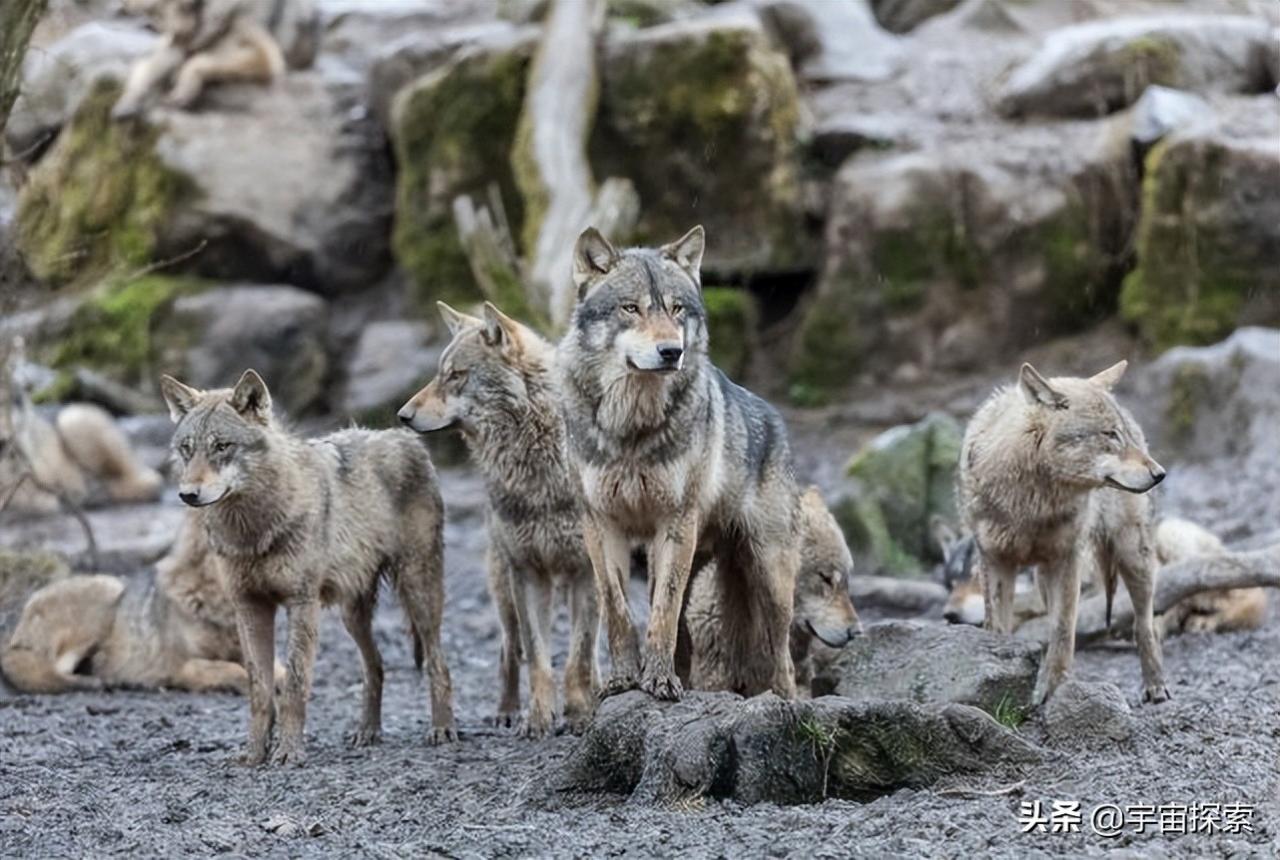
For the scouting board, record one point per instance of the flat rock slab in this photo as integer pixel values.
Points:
(935, 664)
(769, 750)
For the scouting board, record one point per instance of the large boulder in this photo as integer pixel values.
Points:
(703, 117)
(833, 42)
(209, 338)
(1083, 714)
(264, 183)
(899, 481)
(453, 131)
(1209, 235)
(1094, 68)
(57, 78)
(932, 663)
(899, 16)
(768, 750)
(390, 361)
(963, 254)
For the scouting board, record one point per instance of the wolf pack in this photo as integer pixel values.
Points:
(620, 450)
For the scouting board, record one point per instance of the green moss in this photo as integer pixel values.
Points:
(111, 331)
(453, 133)
(731, 322)
(1188, 391)
(827, 347)
(706, 127)
(1151, 59)
(94, 205)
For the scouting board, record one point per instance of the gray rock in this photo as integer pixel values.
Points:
(1084, 713)
(209, 339)
(767, 750)
(1094, 68)
(55, 79)
(899, 16)
(1161, 110)
(834, 42)
(936, 664)
(389, 362)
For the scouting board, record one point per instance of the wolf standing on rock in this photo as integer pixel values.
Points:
(1052, 474)
(305, 523)
(495, 384)
(672, 455)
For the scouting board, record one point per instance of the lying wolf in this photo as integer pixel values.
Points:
(670, 454)
(1053, 473)
(311, 523)
(78, 455)
(495, 385)
(211, 41)
(89, 632)
(822, 613)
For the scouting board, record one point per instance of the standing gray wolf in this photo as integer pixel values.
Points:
(89, 632)
(209, 41)
(672, 455)
(82, 451)
(495, 385)
(306, 523)
(1053, 473)
(823, 613)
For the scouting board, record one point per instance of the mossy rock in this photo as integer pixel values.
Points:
(111, 331)
(704, 118)
(94, 205)
(453, 132)
(1209, 239)
(732, 318)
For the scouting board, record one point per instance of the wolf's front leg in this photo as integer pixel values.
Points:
(670, 558)
(304, 618)
(1062, 585)
(145, 76)
(611, 560)
(772, 579)
(581, 674)
(256, 623)
(1138, 572)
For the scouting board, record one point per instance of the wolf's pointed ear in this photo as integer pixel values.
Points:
(1038, 390)
(500, 329)
(180, 398)
(250, 397)
(456, 320)
(1109, 377)
(686, 252)
(593, 256)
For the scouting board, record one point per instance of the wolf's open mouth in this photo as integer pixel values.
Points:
(1112, 482)
(825, 640)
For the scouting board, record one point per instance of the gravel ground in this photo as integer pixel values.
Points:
(149, 773)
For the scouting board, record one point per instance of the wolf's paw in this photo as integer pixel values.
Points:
(537, 726)
(616, 685)
(365, 736)
(1155, 694)
(1201, 624)
(505, 719)
(663, 685)
(1041, 693)
(578, 719)
(289, 754)
(250, 758)
(442, 735)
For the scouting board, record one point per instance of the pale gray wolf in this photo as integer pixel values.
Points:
(80, 456)
(671, 455)
(823, 613)
(176, 630)
(210, 41)
(305, 523)
(495, 385)
(1053, 473)
(1216, 611)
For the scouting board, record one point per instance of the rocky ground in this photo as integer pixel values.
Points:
(144, 773)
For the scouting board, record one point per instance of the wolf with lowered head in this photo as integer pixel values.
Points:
(495, 385)
(306, 523)
(1053, 473)
(671, 455)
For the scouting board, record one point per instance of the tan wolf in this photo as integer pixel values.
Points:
(176, 629)
(306, 523)
(210, 41)
(496, 387)
(78, 456)
(823, 613)
(671, 455)
(1216, 611)
(1053, 473)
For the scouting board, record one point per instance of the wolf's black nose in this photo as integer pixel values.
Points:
(951, 616)
(189, 498)
(670, 354)
(1157, 474)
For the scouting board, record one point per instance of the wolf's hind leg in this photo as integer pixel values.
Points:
(500, 589)
(581, 673)
(1137, 571)
(358, 619)
(533, 603)
(421, 588)
(772, 576)
(200, 676)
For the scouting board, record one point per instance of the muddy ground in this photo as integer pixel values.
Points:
(150, 773)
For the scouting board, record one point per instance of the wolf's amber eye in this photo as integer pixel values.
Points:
(222, 446)
(631, 308)
(677, 308)
(1112, 435)
(456, 376)
(184, 450)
